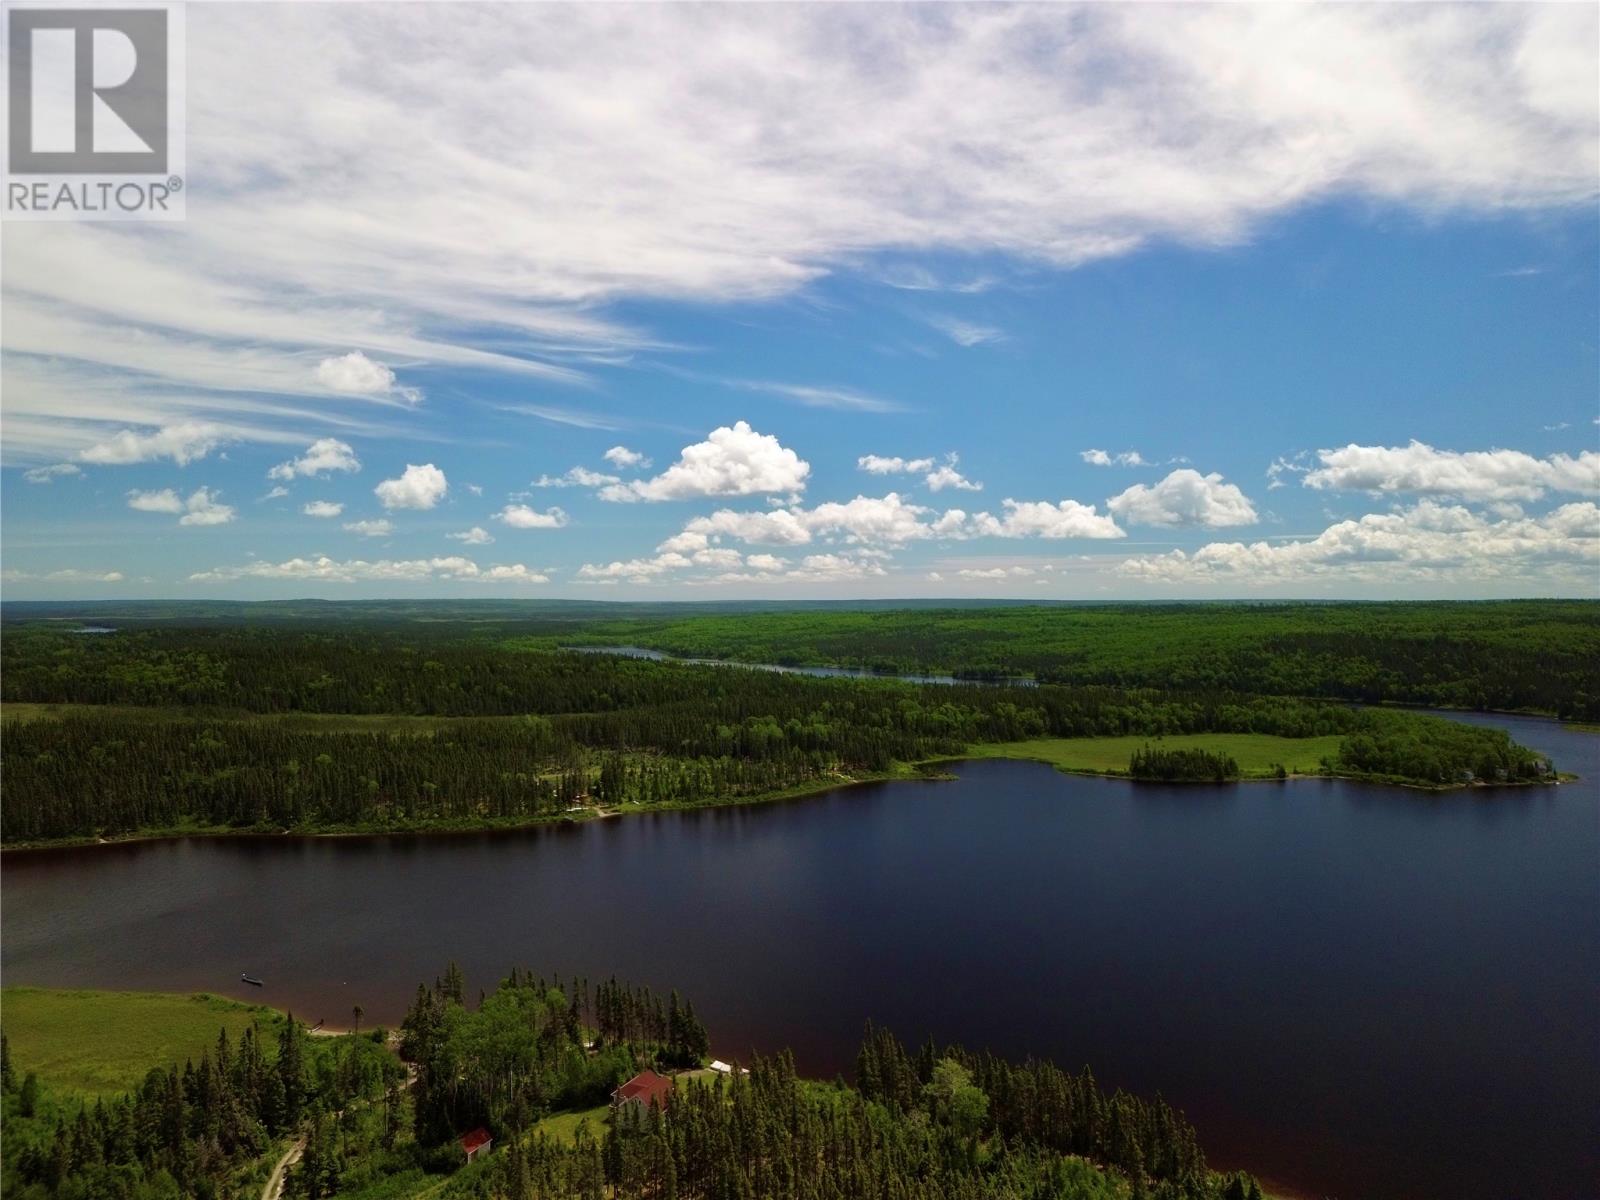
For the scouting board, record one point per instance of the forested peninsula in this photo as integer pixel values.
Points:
(528, 1072)
(399, 721)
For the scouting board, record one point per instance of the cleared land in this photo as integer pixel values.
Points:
(103, 1043)
(1257, 754)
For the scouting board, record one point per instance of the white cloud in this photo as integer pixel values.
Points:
(418, 487)
(382, 527)
(520, 516)
(878, 464)
(275, 493)
(325, 569)
(201, 508)
(357, 374)
(946, 476)
(476, 536)
(821, 396)
(51, 473)
(1047, 134)
(1429, 541)
(1184, 498)
(1040, 518)
(1099, 458)
(966, 334)
(1016, 572)
(936, 477)
(183, 444)
(164, 501)
(512, 573)
(734, 461)
(576, 477)
(622, 458)
(64, 575)
(322, 456)
(322, 508)
(766, 562)
(886, 520)
(1480, 475)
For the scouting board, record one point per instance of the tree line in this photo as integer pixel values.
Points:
(596, 729)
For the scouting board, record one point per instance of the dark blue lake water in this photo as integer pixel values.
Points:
(1354, 991)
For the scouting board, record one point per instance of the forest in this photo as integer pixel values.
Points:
(180, 728)
(533, 1054)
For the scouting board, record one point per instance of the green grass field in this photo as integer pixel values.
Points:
(563, 1127)
(1256, 754)
(99, 1043)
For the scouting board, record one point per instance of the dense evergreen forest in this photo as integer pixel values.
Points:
(385, 728)
(1535, 656)
(943, 1123)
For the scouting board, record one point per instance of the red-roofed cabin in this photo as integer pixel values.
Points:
(643, 1090)
(477, 1142)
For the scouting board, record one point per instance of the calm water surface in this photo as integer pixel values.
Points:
(1354, 991)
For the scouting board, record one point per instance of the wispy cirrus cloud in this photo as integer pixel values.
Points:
(1110, 128)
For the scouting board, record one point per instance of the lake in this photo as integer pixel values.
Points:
(1354, 991)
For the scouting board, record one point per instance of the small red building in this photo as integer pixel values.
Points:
(643, 1090)
(475, 1143)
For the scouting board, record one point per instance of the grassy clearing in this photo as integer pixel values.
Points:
(1256, 754)
(103, 1043)
(563, 1127)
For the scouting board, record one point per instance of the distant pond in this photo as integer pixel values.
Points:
(1354, 991)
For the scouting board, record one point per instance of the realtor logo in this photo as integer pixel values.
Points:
(94, 112)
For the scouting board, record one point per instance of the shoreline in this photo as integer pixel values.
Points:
(925, 770)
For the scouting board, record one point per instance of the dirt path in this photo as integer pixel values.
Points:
(274, 1188)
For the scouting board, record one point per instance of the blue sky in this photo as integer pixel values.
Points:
(1322, 349)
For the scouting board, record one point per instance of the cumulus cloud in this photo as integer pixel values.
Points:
(879, 464)
(202, 508)
(1016, 572)
(1184, 498)
(183, 444)
(1099, 458)
(382, 527)
(1042, 519)
(322, 568)
(418, 487)
(322, 456)
(520, 516)
(946, 476)
(936, 477)
(274, 493)
(51, 473)
(1427, 541)
(476, 536)
(164, 501)
(724, 566)
(732, 461)
(322, 508)
(624, 459)
(1479, 475)
(356, 374)
(64, 575)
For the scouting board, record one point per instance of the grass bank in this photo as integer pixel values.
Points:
(1258, 755)
(96, 1043)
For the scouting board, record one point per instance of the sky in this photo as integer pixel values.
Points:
(713, 303)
